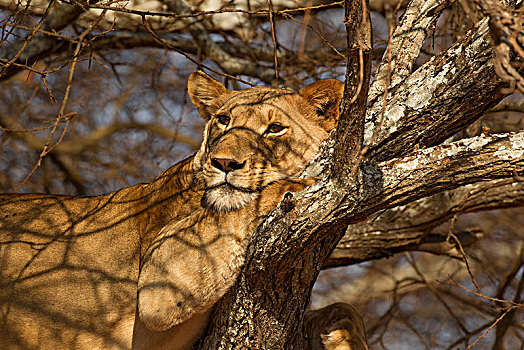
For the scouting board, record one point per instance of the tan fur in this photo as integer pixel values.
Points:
(335, 327)
(74, 271)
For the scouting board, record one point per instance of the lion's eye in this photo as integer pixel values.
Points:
(275, 128)
(223, 119)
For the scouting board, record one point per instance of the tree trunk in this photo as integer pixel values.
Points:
(265, 309)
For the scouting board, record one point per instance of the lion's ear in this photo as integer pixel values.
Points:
(325, 96)
(206, 93)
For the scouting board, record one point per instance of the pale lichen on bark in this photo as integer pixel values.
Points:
(420, 90)
(489, 150)
(405, 46)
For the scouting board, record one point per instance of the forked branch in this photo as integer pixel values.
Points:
(254, 314)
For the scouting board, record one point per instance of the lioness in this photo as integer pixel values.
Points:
(141, 267)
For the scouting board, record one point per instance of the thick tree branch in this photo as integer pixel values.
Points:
(270, 288)
(444, 167)
(350, 129)
(407, 227)
(442, 97)
(392, 183)
(307, 233)
(266, 323)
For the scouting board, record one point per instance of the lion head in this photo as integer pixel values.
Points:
(257, 136)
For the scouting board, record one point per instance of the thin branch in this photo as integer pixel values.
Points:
(434, 292)
(168, 45)
(97, 137)
(37, 44)
(490, 327)
(24, 45)
(214, 52)
(273, 36)
(324, 40)
(48, 147)
(129, 18)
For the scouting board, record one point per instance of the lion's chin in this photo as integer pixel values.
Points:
(226, 198)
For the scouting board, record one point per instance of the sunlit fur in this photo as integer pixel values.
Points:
(226, 198)
(266, 158)
(141, 268)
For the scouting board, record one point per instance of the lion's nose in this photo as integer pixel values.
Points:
(227, 164)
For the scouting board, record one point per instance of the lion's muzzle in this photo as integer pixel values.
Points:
(227, 164)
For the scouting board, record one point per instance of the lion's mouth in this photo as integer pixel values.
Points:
(226, 188)
(226, 197)
(229, 187)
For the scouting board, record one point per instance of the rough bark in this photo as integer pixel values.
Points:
(484, 89)
(443, 96)
(404, 48)
(256, 315)
(409, 227)
(264, 308)
(350, 130)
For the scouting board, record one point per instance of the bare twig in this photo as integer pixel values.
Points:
(490, 327)
(322, 37)
(273, 36)
(223, 59)
(168, 45)
(48, 147)
(27, 40)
